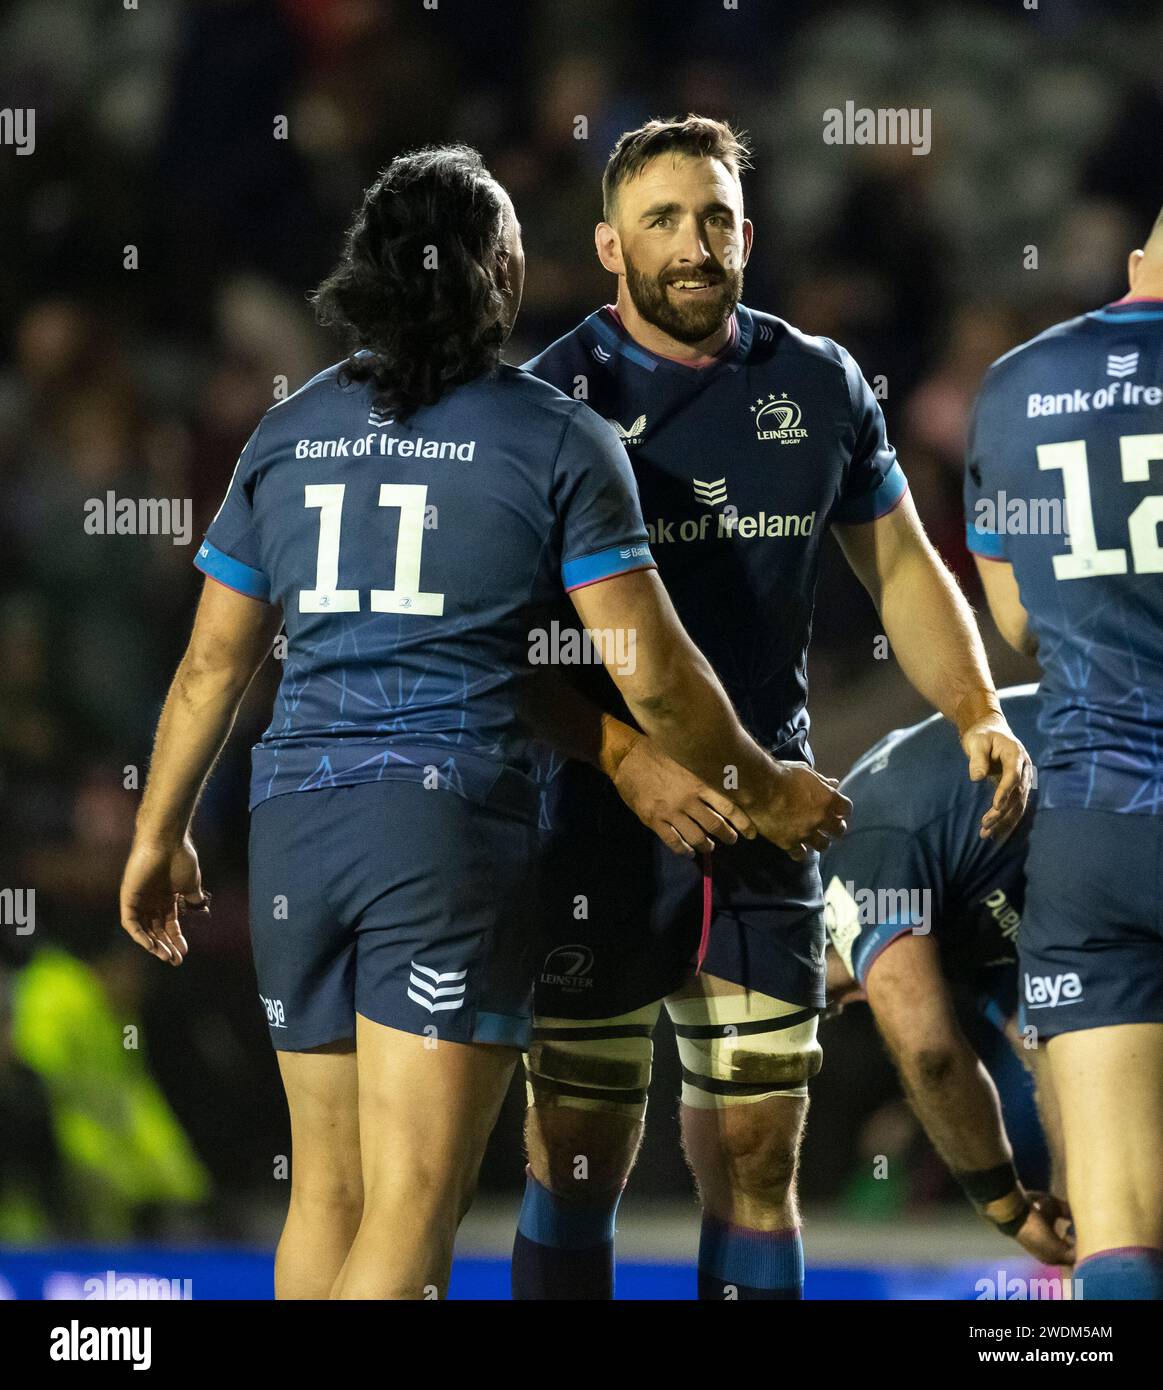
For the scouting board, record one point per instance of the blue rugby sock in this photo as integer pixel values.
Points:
(737, 1263)
(563, 1249)
(1131, 1271)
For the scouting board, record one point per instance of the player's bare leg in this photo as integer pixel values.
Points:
(326, 1179)
(1108, 1083)
(587, 1086)
(581, 1154)
(426, 1110)
(744, 1160)
(744, 1106)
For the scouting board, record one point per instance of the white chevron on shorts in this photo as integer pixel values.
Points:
(436, 986)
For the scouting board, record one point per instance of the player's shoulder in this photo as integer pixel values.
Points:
(772, 340)
(1032, 355)
(526, 396)
(510, 397)
(316, 402)
(904, 780)
(565, 355)
(769, 336)
(897, 752)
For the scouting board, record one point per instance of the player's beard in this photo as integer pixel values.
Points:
(685, 323)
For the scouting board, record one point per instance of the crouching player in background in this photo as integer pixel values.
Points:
(923, 916)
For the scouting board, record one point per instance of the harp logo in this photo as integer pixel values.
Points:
(778, 418)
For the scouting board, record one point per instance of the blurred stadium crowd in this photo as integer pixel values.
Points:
(156, 129)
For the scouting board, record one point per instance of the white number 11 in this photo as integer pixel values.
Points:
(405, 596)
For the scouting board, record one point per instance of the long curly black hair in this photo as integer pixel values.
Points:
(415, 292)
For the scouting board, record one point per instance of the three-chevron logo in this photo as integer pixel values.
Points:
(1122, 364)
(710, 494)
(633, 435)
(440, 990)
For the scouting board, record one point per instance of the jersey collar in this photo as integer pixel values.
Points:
(1130, 309)
(607, 328)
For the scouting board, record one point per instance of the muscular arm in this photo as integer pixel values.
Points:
(927, 621)
(232, 635)
(684, 812)
(948, 1086)
(559, 714)
(1005, 604)
(931, 629)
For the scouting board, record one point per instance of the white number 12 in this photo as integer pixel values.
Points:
(1085, 560)
(405, 596)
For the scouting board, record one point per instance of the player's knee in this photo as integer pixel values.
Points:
(587, 1098)
(338, 1195)
(757, 1158)
(578, 1154)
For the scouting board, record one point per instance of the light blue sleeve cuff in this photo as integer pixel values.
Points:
(231, 572)
(987, 543)
(873, 505)
(605, 564)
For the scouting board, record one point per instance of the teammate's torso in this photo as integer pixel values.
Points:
(1065, 481)
(740, 467)
(411, 560)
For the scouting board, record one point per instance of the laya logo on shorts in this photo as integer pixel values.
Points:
(569, 968)
(440, 990)
(1048, 991)
(274, 1007)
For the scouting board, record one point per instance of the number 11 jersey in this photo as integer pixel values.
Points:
(413, 563)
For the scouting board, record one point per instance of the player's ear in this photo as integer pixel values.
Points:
(1134, 261)
(609, 248)
(748, 238)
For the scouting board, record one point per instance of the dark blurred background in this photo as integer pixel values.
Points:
(158, 245)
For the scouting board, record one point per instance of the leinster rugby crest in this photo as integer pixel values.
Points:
(778, 418)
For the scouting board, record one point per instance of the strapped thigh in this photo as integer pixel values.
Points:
(593, 1064)
(743, 1047)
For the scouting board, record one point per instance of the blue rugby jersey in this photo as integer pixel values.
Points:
(741, 466)
(412, 563)
(914, 857)
(1063, 480)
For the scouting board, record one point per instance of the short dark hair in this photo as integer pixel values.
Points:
(700, 137)
(415, 291)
